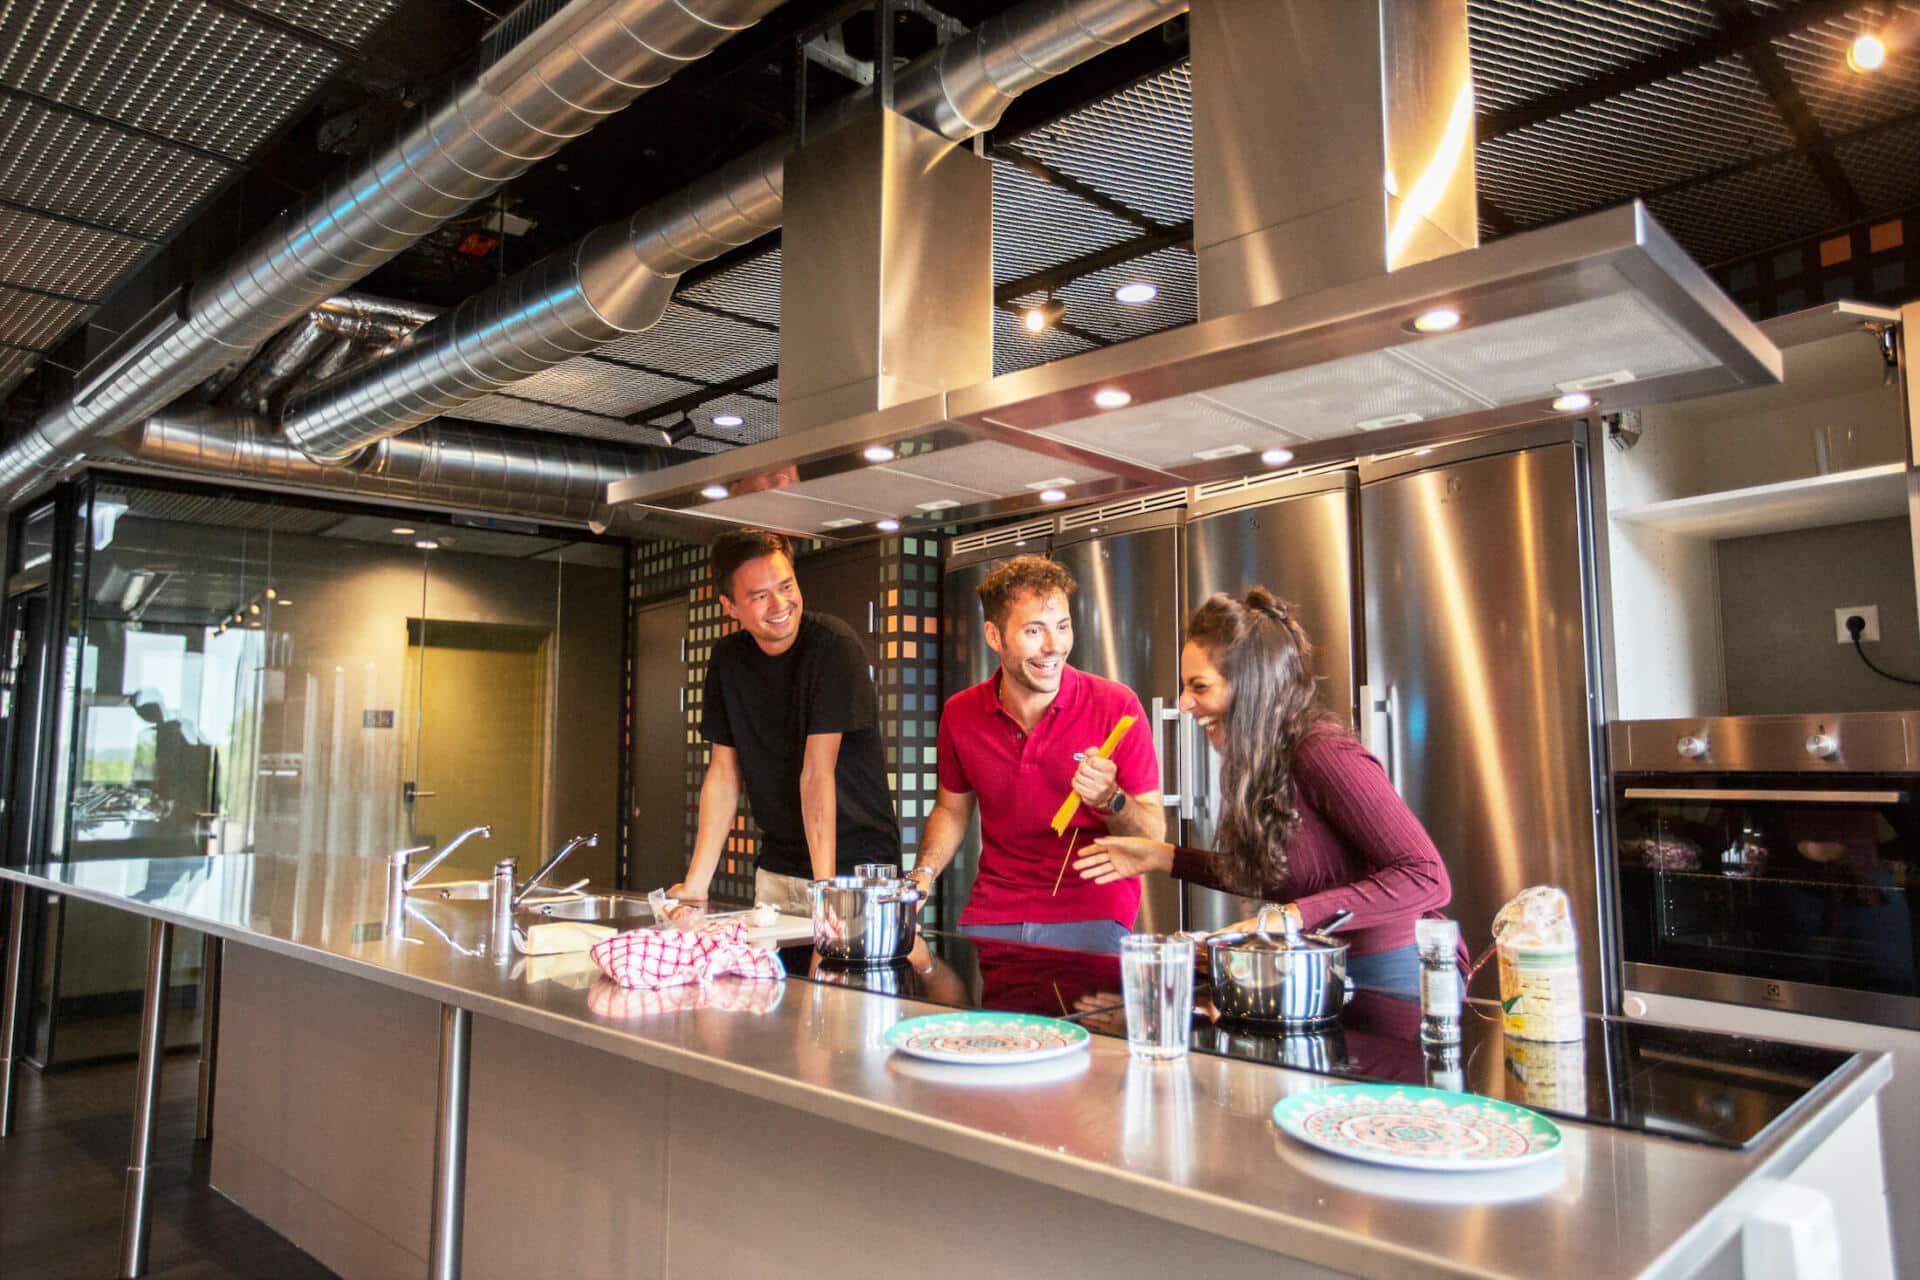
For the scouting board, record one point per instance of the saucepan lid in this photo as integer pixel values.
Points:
(1289, 938)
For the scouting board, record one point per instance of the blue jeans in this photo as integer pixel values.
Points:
(1395, 972)
(1080, 935)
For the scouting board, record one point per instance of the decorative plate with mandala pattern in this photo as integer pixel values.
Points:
(1412, 1127)
(985, 1037)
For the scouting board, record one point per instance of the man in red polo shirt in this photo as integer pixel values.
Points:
(1008, 745)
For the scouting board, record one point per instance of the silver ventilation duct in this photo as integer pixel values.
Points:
(619, 278)
(589, 60)
(447, 463)
(316, 348)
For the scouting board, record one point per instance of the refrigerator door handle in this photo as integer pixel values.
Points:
(1161, 713)
(1379, 734)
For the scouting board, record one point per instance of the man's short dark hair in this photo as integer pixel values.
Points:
(737, 546)
(1017, 577)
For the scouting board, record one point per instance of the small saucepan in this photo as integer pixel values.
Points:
(862, 922)
(1286, 979)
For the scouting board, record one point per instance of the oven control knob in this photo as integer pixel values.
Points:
(1823, 746)
(1691, 748)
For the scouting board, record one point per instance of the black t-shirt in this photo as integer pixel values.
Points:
(764, 707)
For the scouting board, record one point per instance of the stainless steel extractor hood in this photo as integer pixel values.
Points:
(1607, 307)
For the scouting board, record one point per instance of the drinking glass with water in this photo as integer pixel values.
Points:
(1156, 980)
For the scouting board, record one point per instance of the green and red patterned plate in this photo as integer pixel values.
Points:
(981, 1038)
(1410, 1127)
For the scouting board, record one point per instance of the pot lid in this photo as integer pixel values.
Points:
(1263, 937)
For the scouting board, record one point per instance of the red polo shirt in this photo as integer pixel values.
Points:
(1021, 778)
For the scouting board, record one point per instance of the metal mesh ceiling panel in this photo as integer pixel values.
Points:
(1014, 348)
(1523, 49)
(1003, 468)
(1091, 306)
(1748, 211)
(512, 411)
(1841, 100)
(1135, 146)
(58, 256)
(343, 21)
(750, 288)
(30, 320)
(758, 420)
(1038, 225)
(224, 513)
(600, 386)
(1884, 167)
(700, 345)
(77, 169)
(1686, 125)
(14, 365)
(1172, 433)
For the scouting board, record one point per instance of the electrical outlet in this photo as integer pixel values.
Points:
(1871, 612)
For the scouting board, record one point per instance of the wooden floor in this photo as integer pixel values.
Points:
(64, 1169)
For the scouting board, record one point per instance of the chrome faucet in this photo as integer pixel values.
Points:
(413, 881)
(560, 855)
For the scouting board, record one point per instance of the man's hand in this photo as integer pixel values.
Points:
(1096, 781)
(686, 901)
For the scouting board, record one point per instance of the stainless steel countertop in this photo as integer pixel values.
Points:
(1191, 1143)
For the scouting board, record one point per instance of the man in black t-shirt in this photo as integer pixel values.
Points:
(792, 714)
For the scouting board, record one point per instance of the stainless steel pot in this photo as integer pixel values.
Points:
(857, 921)
(1288, 979)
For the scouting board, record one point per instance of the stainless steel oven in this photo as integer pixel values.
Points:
(1769, 861)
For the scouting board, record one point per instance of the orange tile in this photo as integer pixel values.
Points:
(913, 622)
(1888, 235)
(1835, 250)
(909, 648)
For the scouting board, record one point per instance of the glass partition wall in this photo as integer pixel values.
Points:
(251, 674)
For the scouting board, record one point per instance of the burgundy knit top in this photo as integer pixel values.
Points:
(1357, 848)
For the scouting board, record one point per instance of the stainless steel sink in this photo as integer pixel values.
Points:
(619, 909)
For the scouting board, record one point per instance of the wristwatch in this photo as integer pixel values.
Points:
(1118, 802)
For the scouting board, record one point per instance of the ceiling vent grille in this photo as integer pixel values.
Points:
(1005, 536)
(1165, 500)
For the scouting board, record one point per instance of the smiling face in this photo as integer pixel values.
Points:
(765, 601)
(1034, 641)
(1204, 693)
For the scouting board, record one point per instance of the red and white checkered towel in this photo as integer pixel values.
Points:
(660, 958)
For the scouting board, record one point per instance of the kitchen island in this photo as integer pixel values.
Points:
(763, 1127)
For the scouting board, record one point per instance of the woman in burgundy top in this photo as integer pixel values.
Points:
(1307, 816)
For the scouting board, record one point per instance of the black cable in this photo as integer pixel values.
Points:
(1854, 627)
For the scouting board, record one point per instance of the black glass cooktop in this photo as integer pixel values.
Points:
(1695, 1085)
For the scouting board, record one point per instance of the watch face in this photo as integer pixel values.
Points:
(1118, 802)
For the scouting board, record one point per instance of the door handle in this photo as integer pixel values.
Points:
(1181, 793)
(1157, 713)
(410, 791)
(1378, 717)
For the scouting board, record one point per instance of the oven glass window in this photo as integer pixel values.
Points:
(1781, 878)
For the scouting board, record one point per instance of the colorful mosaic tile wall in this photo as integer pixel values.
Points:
(906, 582)
(1875, 261)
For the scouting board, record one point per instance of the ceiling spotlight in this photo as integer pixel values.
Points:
(1112, 398)
(272, 594)
(254, 608)
(1053, 495)
(283, 600)
(401, 531)
(1135, 292)
(877, 453)
(1276, 457)
(1868, 53)
(727, 419)
(887, 526)
(1572, 402)
(1038, 319)
(714, 492)
(427, 544)
(1438, 320)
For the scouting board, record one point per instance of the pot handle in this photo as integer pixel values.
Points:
(1332, 922)
(1260, 921)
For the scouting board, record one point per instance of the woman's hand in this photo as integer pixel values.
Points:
(1112, 858)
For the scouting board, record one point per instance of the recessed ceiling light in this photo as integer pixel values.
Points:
(283, 600)
(254, 607)
(714, 492)
(427, 544)
(1135, 292)
(1053, 495)
(1112, 398)
(402, 531)
(727, 419)
(1438, 320)
(271, 593)
(886, 526)
(843, 522)
(1573, 402)
(1868, 53)
(1276, 457)
(877, 453)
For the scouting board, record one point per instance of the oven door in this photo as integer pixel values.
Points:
(1789, 891)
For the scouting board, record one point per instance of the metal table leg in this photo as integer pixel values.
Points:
(450, 1144)
(10, 1004)
(136, 1222)
(212, 951)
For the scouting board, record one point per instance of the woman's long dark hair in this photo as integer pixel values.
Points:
(1267, 660)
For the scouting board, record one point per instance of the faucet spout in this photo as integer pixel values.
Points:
(483, 830)
(560, 855)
